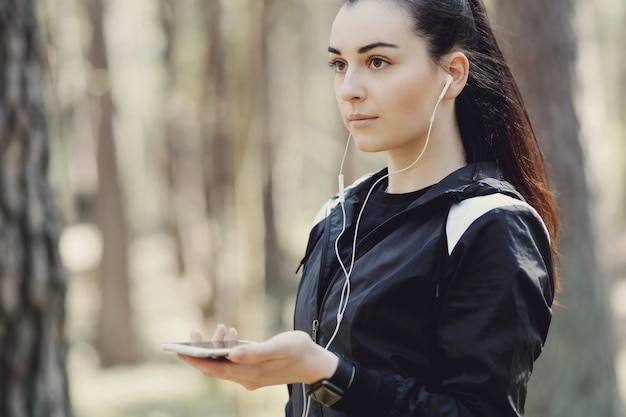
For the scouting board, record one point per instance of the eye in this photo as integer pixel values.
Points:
(377, 62)
(337, 65)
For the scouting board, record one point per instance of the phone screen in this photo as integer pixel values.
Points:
(213, 345)
(203, 349)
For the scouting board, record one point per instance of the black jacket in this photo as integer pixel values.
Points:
(449, 303)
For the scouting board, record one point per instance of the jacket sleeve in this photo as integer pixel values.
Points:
(496, 294)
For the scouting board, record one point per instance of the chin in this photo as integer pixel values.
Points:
(368, 145)
(368, 148)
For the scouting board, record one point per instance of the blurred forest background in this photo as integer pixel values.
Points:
(188, 145)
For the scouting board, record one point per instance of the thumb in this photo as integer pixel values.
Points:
(253, 353)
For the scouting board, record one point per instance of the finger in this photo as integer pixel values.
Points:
(284, 345)
(233, 334)
(219, 334)
(256, 352)
(196, 336)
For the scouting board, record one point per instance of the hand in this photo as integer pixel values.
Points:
(220, 334)
(289, 357)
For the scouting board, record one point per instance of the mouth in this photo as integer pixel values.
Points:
(361, 120)
(357, 117)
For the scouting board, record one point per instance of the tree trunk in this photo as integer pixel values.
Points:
(576, 375)
(218, 171)
(115, 333)
(171, 157)
(274, 271)
(33, 381)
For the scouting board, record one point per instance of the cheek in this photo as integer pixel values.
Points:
(405, 101)
(412, 87)
(338, 99)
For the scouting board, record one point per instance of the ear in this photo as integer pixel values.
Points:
(457, 65)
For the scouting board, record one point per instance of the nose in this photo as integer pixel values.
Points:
(351, 86)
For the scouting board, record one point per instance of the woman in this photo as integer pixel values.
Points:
(427, 287)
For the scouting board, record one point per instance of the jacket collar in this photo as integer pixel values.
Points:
(476, 179)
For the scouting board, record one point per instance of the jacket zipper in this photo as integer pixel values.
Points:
(314, 328)
(316, 323)
(360, 243)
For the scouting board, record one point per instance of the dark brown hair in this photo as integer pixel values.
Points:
(492, 117)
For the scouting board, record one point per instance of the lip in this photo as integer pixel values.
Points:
(361, 120)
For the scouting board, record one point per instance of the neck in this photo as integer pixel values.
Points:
(443, 155)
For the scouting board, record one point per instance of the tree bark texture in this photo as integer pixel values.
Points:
(576, 375)
(33, 380)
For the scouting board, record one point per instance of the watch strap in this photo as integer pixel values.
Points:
(329, 391)
(344, 374)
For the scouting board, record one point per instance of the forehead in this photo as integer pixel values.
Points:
(369, 21)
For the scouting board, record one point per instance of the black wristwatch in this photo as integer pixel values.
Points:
(329, 391)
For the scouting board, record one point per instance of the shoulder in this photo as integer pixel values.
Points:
(499, 241)
(497, 206)
(351, 194)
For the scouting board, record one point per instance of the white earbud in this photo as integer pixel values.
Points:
(340, 177)
(347, 270)
(449, 81)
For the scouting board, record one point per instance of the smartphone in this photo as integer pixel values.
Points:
(214, 350)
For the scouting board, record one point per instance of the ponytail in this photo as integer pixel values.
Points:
(490, 111)
(495, 125)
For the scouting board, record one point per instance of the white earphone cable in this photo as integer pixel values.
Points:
(345, 291)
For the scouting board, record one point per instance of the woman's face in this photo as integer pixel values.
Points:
(386, 85)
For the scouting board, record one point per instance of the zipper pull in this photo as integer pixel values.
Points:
(315, 327)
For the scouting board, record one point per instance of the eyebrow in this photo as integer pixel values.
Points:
(365, 48)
